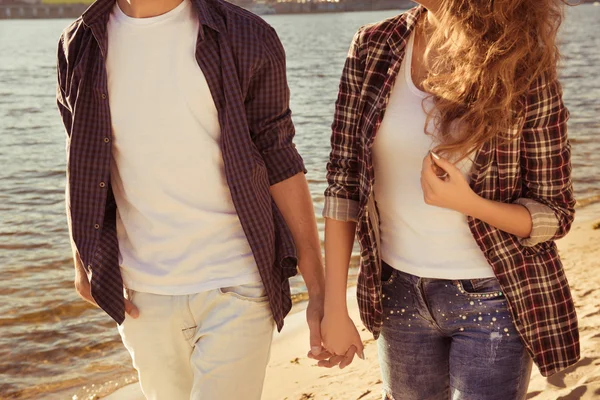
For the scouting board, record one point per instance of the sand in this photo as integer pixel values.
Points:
(292, 376)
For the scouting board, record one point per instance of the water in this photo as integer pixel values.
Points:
(52, 345)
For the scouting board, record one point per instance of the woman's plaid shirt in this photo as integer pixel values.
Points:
(533, 170)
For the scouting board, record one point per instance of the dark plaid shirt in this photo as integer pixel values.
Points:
(534, 170)
(244, 64)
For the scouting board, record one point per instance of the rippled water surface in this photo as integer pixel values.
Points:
(51, 343)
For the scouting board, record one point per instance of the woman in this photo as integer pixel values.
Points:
(450, 160)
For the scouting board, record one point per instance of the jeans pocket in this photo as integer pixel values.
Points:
(129, 294)
(481, 288)
(254, 292)
(388, 274)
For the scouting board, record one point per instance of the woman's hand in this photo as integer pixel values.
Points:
(341, 339)
(452, 192)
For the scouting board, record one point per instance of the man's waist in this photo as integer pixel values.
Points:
(179, 283)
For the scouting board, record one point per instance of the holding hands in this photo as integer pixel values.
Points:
(341, 339)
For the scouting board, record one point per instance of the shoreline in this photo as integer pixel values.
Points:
(26, 11)
(292, 376)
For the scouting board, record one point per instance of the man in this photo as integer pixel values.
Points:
(186, 197)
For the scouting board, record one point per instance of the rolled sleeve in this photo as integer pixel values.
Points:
(340, 209)
(546, 164)
(268, 113)
(544, 222)
(343, 178)
(283, 163)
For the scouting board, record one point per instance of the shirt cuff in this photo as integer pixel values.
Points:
(341, 209)
(283, 164)
(544, 222)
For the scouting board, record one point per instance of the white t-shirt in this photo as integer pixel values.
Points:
(417, 238)
(177, 227)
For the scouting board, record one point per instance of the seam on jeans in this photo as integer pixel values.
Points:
(187, 329)
(430, 317)
(482, 295)
(258, 300)
(188, 334)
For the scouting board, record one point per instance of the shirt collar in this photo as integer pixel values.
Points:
(98, 13)
(402, 31)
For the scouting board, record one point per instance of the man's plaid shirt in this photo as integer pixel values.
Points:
(533, 170)
(244, 64)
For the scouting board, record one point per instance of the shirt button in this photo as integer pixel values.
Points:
(102, 184)
(103, 95)
(106, 140)
(96, 226)
(491, 253)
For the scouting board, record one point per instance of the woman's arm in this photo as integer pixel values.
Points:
(339, 333)
(342, 193)
(546, 164)
(454, 193)
(339, 240)
(546, 210)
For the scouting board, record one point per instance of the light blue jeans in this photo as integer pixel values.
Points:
(445, 339)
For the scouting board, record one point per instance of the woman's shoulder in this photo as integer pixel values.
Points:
(381, 33)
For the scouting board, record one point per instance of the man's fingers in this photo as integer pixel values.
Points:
(324, 355)
(348, 357)
(314, 327)
(332, 362)
(83, 289)
(131, 309)
(89, 299)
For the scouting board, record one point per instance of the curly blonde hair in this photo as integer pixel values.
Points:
(490, 52)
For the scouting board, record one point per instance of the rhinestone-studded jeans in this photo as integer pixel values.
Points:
(444, 339)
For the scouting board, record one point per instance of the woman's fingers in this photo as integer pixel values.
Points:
(444, 164)
(348, 357)
(331, 362)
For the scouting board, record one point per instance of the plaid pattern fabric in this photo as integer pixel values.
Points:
(533, 170)
(244, 64)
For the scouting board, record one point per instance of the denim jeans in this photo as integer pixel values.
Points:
(444, 339)
(209, 345)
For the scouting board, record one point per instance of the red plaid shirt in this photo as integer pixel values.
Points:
(244, 64)
(533, 170)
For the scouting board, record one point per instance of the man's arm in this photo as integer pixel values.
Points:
(293, 199)
(272, 130)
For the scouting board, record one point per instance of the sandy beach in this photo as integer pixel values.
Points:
(292, 376)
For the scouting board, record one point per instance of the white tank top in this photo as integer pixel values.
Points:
(417, 238)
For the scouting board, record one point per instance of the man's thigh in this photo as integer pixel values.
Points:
(232, 343)
(158, 347)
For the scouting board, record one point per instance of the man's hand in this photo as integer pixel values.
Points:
(293, 200)
(314, 316)
(84, 290)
